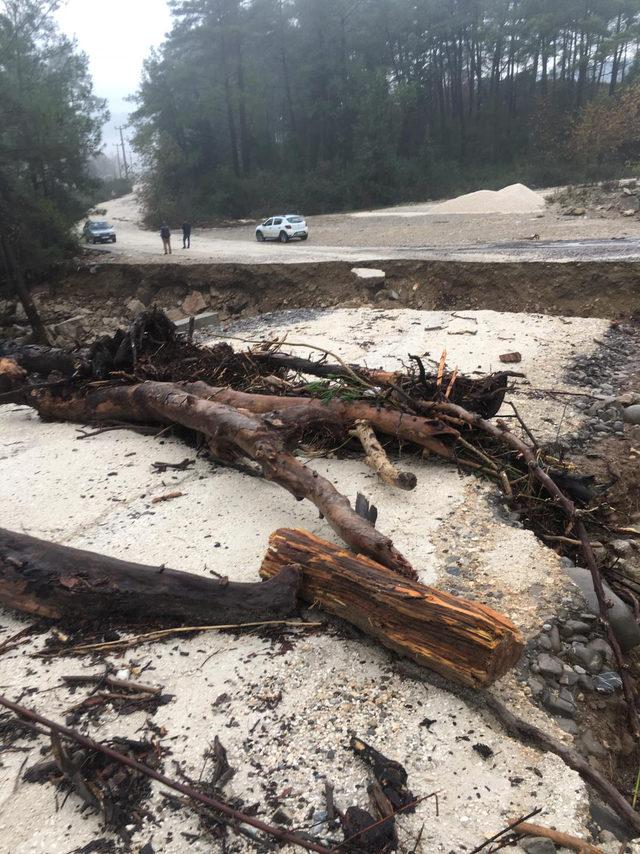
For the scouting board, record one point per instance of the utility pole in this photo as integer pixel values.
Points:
(117, 148)
(124, 154)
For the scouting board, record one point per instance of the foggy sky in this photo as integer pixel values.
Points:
(117, 36)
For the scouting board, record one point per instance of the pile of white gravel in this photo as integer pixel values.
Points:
(517, 198)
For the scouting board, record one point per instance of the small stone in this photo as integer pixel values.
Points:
(549, 665)
(538, 845)
(569, 679)
(544, 642)
(567, 725)
(554, 637)
(537, 686)
(558, 706)
(591, 744)
(607, 683)
(396, 296)
(135, 307)
(575, 627)
(632, 414)
(600, 645)
(586, 683)
(590, 660)
(282, 817)
(194, 303)
(622, 547)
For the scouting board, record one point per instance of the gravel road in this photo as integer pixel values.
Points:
(409, 232)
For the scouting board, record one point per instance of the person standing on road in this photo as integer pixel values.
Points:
(186, 235)
(165, 234)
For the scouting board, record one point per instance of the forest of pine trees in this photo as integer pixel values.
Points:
(253, 106)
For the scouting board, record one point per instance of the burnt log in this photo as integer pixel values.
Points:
(233, 436)
(464, 641)
(59, 582)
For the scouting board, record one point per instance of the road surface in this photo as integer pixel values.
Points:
(382, 236)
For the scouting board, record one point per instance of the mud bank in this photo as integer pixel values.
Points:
(589, 289)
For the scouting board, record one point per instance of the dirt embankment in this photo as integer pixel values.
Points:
(580, 289)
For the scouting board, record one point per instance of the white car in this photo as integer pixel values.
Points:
(283, 228)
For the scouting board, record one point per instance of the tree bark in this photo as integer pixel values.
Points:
(462, 640)
(63, 583)
(291, 410)
(232, 435)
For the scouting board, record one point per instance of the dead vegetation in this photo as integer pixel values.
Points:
(256, 409)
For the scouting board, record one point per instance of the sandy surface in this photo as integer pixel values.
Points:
(515, 199)
(289, 709)
(412, 231)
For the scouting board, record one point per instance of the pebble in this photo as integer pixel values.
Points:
(549, 665)
(590, 660)
(607, 683)
(632, 414)
(558, 705)
(538, 845)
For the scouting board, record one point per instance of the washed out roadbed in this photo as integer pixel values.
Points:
(285, 704)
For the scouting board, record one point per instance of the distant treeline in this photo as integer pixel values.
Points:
(254, 106)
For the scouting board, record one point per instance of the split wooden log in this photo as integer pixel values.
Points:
(11, 374)
(232, 434)
(63, 583)
(377, 459)
(462, 640)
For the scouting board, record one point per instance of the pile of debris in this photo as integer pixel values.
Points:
(255, 409)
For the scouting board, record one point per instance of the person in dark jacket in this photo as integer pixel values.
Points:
(165, 234)
(186, 235)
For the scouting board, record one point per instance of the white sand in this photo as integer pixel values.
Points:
(58, 488)
(513, 199)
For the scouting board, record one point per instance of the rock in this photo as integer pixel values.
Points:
(592, 745)
(588, 658)
(369, 276)
(207, 318)
(8, 309)
(550, 666)
(600, 645)
(558, 706)
(538, 845)
(628, 398)
(575, 212)
(135, 307)
(632, 414)
(175, 314)
(554, 637)
(396, 296)
(585, 682)
(575, 627)
(567, 725)
(544, 642)
(72, 330)
(194, 303)
(282, 817)
(537, 686)
(607, 682)
(620, 615)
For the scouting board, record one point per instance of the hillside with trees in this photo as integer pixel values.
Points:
(330, 104)
(50, 125)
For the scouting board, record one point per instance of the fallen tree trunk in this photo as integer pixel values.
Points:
(63, 583)
(231, 434)
(425, 432)
(463, 640)
(484, 396)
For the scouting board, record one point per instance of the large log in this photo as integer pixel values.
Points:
(232, 434)
(464, 641)
(60, 582)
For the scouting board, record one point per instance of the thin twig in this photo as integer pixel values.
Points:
(180, 630)
(271, 830)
